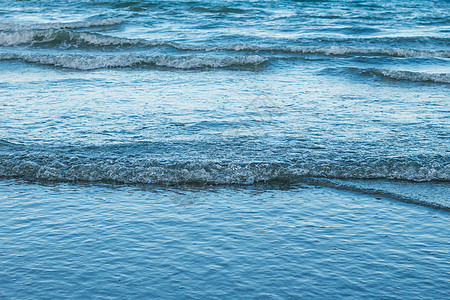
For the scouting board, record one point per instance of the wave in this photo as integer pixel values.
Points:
(85, 168)
(342, 51)
(405, 75)
(5, 143)
(422, 180)
(67, 38)
(62, 25)
(91, 62)
(64, 38)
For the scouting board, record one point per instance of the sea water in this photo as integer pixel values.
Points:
(237, 149)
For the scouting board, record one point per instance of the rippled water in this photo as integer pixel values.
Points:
(219, 96)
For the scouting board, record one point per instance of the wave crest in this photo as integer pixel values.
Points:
(91, 62)
(147, 171)
(339, 51)
(65, 38)
(62, 25)
(405, 75)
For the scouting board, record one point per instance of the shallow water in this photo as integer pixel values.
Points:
(305, 102)
(79, 241)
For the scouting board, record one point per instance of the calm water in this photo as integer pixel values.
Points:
(224, 148)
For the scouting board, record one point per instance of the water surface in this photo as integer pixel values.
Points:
(284, 107)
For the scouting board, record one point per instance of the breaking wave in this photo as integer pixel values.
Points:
(73, 168)
(62, 25)
(63, 38)
(405, 75)
(91, 62)
(342, 51)
(67, 38)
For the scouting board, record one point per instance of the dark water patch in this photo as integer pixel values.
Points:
(434, 21)
(217, 10)
(312, 1)
(368, 5)
(352, 30)
(8, 144)
(326, 17)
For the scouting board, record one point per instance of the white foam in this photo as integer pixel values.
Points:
(29, 34)
(404, 75)
(16, 38)
(65, 37)
(342, 50)
(38, 33)
(91, 62)
(414, 76)
(62, 25)
(131, 170)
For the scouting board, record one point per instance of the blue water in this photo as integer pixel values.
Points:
(237, 149)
